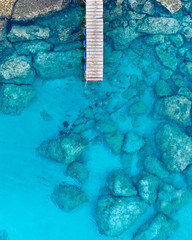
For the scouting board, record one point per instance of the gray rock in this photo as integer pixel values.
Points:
(25, 33)
(167, 55)
(133, 142)
(58, 65)
(28, 9)
(6, 8)
(67, 197)
(15, 98)
(176, 109)
(64, 150)
(148, 7)
(171, 5)
(171, 199)
(120, 185)
(159, 25)
(78, 170)
(175, 147)
(115, 214)
(135, 3)
(160, 227)
(156, 167)
(147, 186)
(18, 70)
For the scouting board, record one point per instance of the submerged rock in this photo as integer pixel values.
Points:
(58, 65)
(147, 186)
(137, 108)
(176, 109)
(156, 167)
(15, 98)
(167, 55)
(120, 184)
(171, 5)
(159, 25)
(160, 227)
(171, 199)
(162, 88)
(25, 33)
(115, 214)
(133, 142)
(188, 175)
(115, 141)
(18, 70)
(107, 126)
(175, 147)
(64, 149)
(77, 170)
(68, 197)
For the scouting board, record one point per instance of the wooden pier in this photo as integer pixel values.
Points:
(94, 40)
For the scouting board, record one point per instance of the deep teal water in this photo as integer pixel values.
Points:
(27, 180)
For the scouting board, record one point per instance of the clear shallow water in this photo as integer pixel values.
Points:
(27, 180)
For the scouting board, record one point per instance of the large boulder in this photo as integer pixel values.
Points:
(115, 214)
(176, 109)
(65, 149)
(120, 184)
(175, 147)
(57, 65)
(171, 5)
(67, 197)
(171, 199)
(28, 9)
(15, 98)
(115, 141)
(25, 33)
(159, 25)
(17, 70)
(160, 227)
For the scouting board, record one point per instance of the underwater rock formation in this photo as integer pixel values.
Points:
(171, 199)
(176, 109)
(188, 175)
(67, 197)
(147, 186)
(156, 167)
(162, 88)
(27, 33)
(55, 65)
(133, 142)
(171, 5)
(160, 227)
(116, 214)
(17, 70)
(137, 108)
(159, 25)
(15, 98)
(175, 147)
(120, 185)
(65, 149)
(115, 141)
(78, 171)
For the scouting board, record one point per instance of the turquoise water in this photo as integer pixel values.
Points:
(27, 179)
